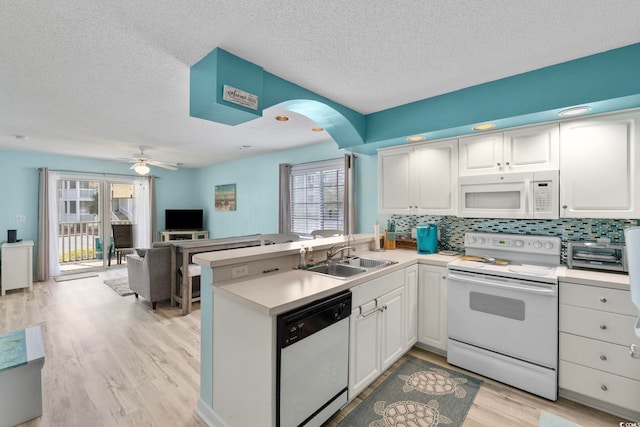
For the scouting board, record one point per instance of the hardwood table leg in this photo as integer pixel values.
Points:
(174, 273)
(186, 288)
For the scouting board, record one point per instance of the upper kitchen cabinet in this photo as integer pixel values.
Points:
(420, 179)
(528, 149)
(599, 160)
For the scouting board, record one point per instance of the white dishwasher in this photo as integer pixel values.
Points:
(313, 362)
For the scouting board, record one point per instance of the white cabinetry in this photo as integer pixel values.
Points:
(411, 291)
(432, 307)
(420, 179)
(599, 159)
(596, 363)
(377, 335)
(17, 266)
(527, 149)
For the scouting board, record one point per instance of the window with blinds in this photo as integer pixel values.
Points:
(317, 196)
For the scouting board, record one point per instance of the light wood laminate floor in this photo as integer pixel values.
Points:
(112, 361)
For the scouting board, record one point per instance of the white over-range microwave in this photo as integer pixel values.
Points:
(514, 195)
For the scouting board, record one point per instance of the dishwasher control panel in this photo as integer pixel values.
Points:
(299, 323)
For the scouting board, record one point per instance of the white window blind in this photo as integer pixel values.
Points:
(317, 196)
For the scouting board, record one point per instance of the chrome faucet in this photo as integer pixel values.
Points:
(331, 252)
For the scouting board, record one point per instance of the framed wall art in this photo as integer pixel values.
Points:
(225, 197)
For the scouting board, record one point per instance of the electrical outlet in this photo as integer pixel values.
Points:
(240, 271)
(21, 218)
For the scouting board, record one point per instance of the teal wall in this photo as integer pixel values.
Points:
(19, 187)
(256, 180)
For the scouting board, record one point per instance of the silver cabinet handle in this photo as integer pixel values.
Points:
(603, 327)
(507, 163)
(603, 299)
(634, 351)
(564, 206)
(603, 357)
(498, 164)
(603, 387)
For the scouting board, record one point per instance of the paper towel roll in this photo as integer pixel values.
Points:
(632, 239)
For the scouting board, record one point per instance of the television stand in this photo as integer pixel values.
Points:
(168, 235)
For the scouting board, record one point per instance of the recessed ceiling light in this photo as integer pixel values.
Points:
(575, 111)
(244, 147)
(21, 137)
(282, 118)
(317, 129)
(416, 138)
(484, 126)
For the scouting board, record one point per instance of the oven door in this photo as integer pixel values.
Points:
(514, 317)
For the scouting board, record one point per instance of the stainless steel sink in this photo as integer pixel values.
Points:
(337, 270)
(368, 263)
(350, 266)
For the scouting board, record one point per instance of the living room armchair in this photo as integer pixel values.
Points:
(150, 273)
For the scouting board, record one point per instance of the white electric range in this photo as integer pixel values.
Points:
(502, 312)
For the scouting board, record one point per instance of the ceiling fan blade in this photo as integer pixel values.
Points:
(164, 165)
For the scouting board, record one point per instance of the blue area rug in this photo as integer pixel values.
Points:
(417, 393)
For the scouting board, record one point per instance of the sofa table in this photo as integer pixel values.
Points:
(186, 249)
(21, 361)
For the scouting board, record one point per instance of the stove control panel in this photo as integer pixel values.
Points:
(524, 243)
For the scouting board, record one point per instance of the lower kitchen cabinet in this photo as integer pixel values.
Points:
(596, 361)
(411, 313)
(378, 325)
(432, 303)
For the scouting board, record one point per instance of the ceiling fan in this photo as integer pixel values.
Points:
(141, 163)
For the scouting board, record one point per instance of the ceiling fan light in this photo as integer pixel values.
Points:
(141, 169)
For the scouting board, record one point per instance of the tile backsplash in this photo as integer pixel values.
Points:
(452, 229)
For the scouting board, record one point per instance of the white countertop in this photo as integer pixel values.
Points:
(280, 291)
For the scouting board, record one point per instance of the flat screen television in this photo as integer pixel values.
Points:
(183, 219)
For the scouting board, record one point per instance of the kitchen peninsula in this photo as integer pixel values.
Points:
(239, 317)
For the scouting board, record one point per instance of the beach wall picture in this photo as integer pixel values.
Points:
(225, 197)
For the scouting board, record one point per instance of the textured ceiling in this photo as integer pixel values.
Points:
(98, 79)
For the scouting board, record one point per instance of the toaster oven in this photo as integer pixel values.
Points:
(597, 256)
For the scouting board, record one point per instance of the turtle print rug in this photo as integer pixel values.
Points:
(419, 394)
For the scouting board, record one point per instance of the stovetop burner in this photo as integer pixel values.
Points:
(529, 257)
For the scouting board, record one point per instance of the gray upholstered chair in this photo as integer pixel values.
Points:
(150, 273)
(326, 233)
(270, 239)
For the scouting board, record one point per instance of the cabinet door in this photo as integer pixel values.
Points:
(393, 326)
(598, 162)
(364, 348)
(411, 312)
(432, 307)
(481, 154)
(436, 174)
(394, 181)
(533, 148)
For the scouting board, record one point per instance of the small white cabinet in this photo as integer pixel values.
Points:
(17, 266)
(432, 307)
(419, 179)
(599, 160)
(526, 149)
(378, 323)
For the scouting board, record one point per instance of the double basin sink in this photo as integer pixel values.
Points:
(350, 266)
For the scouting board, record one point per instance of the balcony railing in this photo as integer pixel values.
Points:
(81, 241)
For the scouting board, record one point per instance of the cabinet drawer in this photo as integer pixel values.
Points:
(611, 358)
(600, 385)
(597, 298)
(376, 288)
(600, 325)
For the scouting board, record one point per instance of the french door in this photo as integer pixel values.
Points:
(86, 208)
